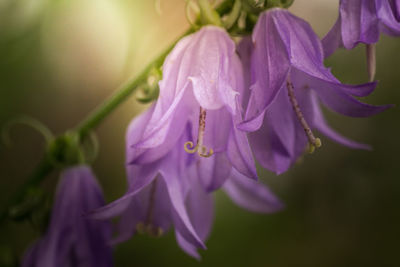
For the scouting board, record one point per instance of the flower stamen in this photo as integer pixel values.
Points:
(313, 141)
(199, 148)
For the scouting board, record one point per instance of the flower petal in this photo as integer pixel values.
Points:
(71, 237)
(239, 153)
(269, 150)
(321, 125)
(211, 75)
(389, 14)
(337, 100)
(333, 39)
(251, 195)
(214, 171)
(180, 216)
(200, 206)
(270, 65)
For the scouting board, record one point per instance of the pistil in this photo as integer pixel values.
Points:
(199, 148)
(147, 226)
(371, 61)
(313, 142)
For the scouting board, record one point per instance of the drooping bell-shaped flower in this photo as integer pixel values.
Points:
(289, 81)
(169, 192)
(72, 239)
(202, 84)
(157, 195)
(362, 21)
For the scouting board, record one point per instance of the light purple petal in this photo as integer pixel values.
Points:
(211, 75)
(180, 216)
(200, 207)
(174, 172)
(214, 171)
(218, 126)
(251, 195)
(187, 246)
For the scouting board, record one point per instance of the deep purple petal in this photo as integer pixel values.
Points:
(71, 238)
(337, 100)
(333, 39)
(269, 150)
(270, 65)
(389, 14)
(239, 153)
(245, 49)
(321, 125)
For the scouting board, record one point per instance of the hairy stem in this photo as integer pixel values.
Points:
(43, 169)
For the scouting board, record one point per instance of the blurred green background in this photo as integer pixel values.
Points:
(59, 59)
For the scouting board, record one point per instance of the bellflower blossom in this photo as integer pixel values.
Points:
(289, 81)
(72, 239)
(202, 82)
(169, 192)
(362, 21)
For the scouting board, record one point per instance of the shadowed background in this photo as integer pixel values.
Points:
(59, 59)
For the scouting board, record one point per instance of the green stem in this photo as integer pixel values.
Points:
(208, 14)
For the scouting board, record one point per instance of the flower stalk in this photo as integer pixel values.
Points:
(47, 165)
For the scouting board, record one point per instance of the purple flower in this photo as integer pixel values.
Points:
(169, 192)
(202, 83)
(362, 21)
(289, 81)
(71, 238)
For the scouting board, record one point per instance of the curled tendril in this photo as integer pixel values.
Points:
(157, 7)
(201, 150)
(27, 121)
(191, 6)
(234, 15)
(93, 148)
